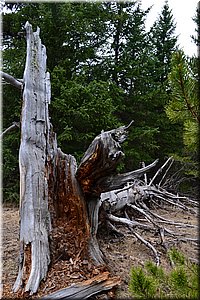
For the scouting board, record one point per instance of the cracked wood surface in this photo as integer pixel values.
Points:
(34, 214)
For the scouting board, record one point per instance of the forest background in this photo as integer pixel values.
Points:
(106, 70)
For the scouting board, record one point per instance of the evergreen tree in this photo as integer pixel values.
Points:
(81, 107)
(105, 71)
(163, 41)
(183, 107)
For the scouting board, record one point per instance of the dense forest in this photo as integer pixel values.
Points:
(106, 70)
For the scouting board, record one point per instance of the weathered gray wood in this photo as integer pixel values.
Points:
(138, 197)
(34, 215)
(86, 289)
(93, 212)
(97, 173)
(10, 79)
(113, 182)
(97, 170)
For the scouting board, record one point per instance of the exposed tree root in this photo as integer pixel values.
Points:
(134, 206)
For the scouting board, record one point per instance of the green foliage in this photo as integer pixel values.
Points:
(191, 135)
(176, 257)
(142, 285)
(196, 19)
(156, 283)
(86, 110)
(183, 83)
(183, 107)
(155, 271)
(10, 148)
(163, 41)
(106, 70)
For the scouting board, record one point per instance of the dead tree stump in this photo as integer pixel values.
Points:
(59, 202)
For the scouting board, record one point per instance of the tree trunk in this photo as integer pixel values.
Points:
(52, 207)
(34, 214)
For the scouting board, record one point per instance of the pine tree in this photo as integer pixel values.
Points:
(184, 104)
(183, 108)
(81, 107)
(105, 72)
(163, 41)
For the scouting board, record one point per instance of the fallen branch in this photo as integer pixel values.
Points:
(162, 179)
(127, 222)
(116, 181)
(86, 289)
(133, 205)
(149, 245)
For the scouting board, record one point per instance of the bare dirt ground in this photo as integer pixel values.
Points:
(121, 252)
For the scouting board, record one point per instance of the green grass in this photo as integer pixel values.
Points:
(153, 282)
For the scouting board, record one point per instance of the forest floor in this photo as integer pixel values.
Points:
(122, 253)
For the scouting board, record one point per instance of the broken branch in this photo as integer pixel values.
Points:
(13, 81)
(13, 126)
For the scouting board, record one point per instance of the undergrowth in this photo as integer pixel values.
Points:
(153, 282)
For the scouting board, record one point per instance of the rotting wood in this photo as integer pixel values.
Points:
(87, 288)
(68, 209)
(97, 173)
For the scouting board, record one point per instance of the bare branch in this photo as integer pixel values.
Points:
(10, 79)
(149, 245)
(145, 175)
(129, 124)
(166, 172)
(160, 170)
(13, 126)
(117, 181)
(86, 289)
(127, 222)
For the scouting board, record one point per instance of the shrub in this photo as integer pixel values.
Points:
(154, 282)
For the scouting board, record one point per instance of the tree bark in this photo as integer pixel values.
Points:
(97, 174)
(58, 203)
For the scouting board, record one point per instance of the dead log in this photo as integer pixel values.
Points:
(52, 207)
(97, 173)
(87, 288)
(136, 199)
